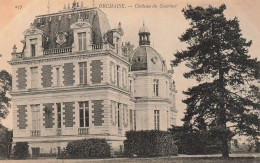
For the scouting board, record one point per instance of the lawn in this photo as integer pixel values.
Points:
(196, 159)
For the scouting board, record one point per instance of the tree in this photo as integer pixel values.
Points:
(5, 87)
(6, 138)
(217, 56)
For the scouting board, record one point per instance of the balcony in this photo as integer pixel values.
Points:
(83, 131)
(57, 51)
(58, 131)
(35, 133)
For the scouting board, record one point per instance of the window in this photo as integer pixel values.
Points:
(118, 115)
(82, 41)
(35, 117)
(112, 73)
(83, 72)
(135, 120)
(156, 87)
(118, 75)
(156, 119)
(58, 115)
(33, 50)
(34, 77)
(83, 114)
(167, 94)
(58, 76)
(130, 86)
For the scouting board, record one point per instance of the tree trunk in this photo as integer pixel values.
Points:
(222, 121)
(225, 148)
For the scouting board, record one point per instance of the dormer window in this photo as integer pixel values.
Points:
(82, 41)
(33, 50)
(33, 43)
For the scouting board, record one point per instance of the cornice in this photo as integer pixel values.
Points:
(66, 56)
(78, 88)
(152, 99)
(56, 57)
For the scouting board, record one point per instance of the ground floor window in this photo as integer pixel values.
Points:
(156, 119)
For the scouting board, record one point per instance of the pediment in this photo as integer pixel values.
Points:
(80, 24)
(32, 31)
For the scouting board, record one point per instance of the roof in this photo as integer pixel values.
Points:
(144, 29)
(146, 58)
(54, 24)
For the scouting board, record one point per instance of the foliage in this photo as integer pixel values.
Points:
(21, 150)
(217, 55)
(87, 148)
(191, 141)
(6, 138)
(149, 143)
(5, 87)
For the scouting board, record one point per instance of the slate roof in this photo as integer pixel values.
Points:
(53, 24)
(142, 59)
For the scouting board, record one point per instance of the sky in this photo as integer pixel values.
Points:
(165, 24)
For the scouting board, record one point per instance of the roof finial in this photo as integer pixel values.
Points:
(143, 22)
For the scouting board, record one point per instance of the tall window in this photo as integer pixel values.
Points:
(58, 115)
(35, 117)
(58, 76)
(156, 119)
(34, 77)
(113, 72)
(156, 87)
(118, 75)
(83, 72)
(130, 86)
(167, 93)
(33, 50)
(118, 115)
(83, 114)
(82, 41)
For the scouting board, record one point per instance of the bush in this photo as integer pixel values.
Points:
(149, 144)
(88, 148)
(21, 150)
(195, 142)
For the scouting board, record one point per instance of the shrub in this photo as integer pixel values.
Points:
(88, 148)
(195, 142)
(149, 144)
(21, 150)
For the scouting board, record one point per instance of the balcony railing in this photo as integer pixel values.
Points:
(35, 133)
(83, 131)
(57, 51)
(58, 131)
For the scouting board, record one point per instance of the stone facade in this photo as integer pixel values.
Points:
(79, 86)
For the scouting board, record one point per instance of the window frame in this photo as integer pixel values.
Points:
(156, 87)
(83, 73)
(157, 119)
(82, 41)
(82, 116)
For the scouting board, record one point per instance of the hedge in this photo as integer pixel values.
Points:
(21, 150)
(151, 143)
(87, 148)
